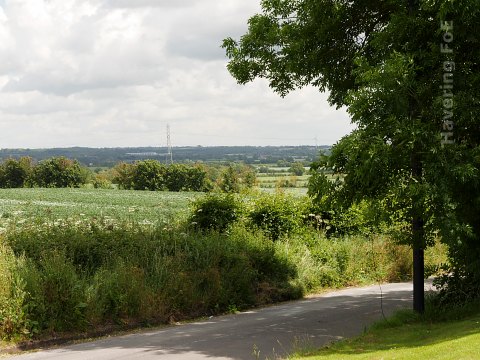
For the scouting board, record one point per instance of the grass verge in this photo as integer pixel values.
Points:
(408, 336)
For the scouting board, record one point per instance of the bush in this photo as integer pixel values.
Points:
(277, 215)
(102, 180)
(119, 291)
(124, 175)
(149, 175)
(235, 178)
(15, 173)
(13, 320)
(63, 293)
(60, 172)
(179, 177)
(297, 169)
(215, 212)
(136, 274)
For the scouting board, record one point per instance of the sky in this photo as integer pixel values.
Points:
(114, 73)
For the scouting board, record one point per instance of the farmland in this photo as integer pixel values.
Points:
(18, 206)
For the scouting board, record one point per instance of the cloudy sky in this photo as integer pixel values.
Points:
(105, 73)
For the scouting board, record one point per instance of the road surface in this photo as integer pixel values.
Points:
(270, 332)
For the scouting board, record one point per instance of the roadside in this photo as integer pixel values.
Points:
(273, 331)
(408, 336)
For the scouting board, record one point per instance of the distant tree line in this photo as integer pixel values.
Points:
(153, 175)
(54, 172)
(109, 157)
(149, 175)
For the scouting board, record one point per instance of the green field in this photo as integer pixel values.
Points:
(18, 206)
(282, 180)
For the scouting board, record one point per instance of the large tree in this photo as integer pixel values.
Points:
(408, 72)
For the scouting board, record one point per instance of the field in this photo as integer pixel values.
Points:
(282, 180)
(18, 206)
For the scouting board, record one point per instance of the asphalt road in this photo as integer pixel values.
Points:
(272, 331)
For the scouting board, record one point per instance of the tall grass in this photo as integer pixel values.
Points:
(64, 278)
(67, 278)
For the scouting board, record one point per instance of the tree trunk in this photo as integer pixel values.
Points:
(418, 236)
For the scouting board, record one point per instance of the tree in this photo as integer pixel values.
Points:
(394, 65)
(297, 168)
(60, 172)
(15, 173)
(180, 177)
(237, 177)
(123, 175)
(149, 175)
(230, 182)
(197, 179)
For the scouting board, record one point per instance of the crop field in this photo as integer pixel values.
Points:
(19, 206)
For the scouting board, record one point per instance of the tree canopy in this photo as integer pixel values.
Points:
(408, 73)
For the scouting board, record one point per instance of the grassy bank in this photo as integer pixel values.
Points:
(74, 278)
(409, 337)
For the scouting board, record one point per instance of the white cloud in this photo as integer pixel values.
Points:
(115, 72)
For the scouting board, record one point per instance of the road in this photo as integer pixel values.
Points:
(273, 331)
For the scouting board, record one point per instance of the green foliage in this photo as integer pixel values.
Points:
(124, 175)
(90, 276)
(154, 176)
(13, 320)
(263, 169)
(297, 169)
(230, 182)
(15, 173)
(119, 291)
(237, 177)
(149, 175)
(103, 179)
(59, 172)
(62, 292)
(277, 214)
(404, 94)
(215, 211)
(323, 191)
(179, 177)
(64, 271)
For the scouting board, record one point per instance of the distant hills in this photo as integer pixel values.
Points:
(107, 157)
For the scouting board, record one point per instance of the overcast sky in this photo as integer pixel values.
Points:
(105, 73)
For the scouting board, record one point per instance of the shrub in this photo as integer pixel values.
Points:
(119, 291)
(15, 173)
(277, 215)
(124, 175)
(230, 182)
(179, 177)
(297, 169)
(13, 320)
(60, 172)
(102, 180)
(63, 292)
(215, 212)
(237, 177)
(149, 175)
